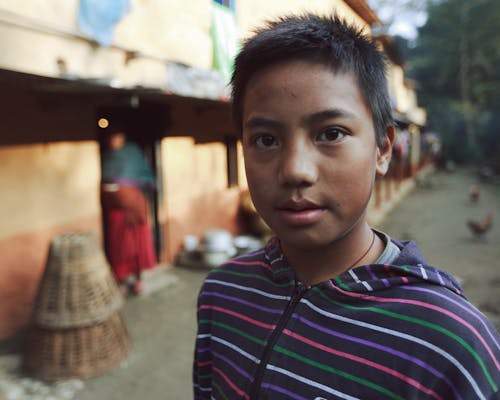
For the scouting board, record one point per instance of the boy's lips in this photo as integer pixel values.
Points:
(299, 212)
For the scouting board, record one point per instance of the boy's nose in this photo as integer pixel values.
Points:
(297, 165)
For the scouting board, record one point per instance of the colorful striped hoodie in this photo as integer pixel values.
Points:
(401, 331)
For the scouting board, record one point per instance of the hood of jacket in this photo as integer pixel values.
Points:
(409, 268)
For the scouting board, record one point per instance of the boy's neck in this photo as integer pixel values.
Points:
(316, 265)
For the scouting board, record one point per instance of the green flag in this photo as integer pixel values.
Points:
(225, 40)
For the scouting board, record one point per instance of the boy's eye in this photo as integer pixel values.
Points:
(331, 135)
(265, 141)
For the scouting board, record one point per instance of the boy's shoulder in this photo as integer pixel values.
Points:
(245, 261)
(254, 262)
(260, 261)
(264, 270)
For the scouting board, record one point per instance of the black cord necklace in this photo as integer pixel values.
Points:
(365, 253)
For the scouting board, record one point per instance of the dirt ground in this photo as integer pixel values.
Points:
(162, 322)
(434, 215)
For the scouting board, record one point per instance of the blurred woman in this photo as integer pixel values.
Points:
(126, 177)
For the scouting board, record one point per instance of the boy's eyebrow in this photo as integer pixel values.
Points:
(259, 122)
(330, 113)
(317, 117)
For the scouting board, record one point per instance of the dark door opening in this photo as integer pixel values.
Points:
(144, 125)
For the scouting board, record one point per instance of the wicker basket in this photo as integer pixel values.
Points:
(78, 288)
(78, 353)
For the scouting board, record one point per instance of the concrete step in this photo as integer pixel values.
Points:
(159, 278)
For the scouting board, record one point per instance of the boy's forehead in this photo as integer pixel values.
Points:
(276, 70)
(300, 80)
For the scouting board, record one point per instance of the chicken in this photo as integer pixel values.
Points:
(474, 193)
(479, 228)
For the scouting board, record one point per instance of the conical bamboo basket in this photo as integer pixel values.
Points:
(78, 330)
(77, 288)
(79, 353)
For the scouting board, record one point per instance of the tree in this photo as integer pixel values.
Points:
(401, 17)
(455, 59)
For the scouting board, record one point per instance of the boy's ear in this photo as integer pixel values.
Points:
(384, 154)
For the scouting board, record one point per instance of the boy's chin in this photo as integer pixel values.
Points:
(304, 241)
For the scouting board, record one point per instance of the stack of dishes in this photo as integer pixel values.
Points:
(218, 247)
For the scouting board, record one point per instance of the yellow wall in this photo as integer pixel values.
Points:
(57, 12)
(395, 83)
(47, 189)
(47, 184)
(196, 197)
(52, 21)
(191, 169)
(174, 29)
(51, 188)
(253, 13)
(162, 30)
(404, 95)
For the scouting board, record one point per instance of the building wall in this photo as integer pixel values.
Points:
(54, 187)
(158, 29)
(50, 188)
(252, 13)
(152, 27)
(47, 189)
(28, 171)
(173, 29)
(404, 95)
(395, 82)
(196, 196)
(52, 25)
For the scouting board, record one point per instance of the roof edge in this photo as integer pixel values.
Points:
(361, 8)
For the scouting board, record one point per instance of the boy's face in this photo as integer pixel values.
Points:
(310, 152)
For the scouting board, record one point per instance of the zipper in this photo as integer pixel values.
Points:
(298, 292)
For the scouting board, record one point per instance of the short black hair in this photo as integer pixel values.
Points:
(329, 41)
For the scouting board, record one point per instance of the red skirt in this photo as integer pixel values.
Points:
(130, 248)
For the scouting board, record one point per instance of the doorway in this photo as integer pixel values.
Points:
(144, 125)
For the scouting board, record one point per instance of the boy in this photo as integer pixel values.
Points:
(330, 308)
